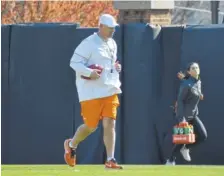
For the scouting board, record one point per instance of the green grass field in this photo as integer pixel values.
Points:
(98, 170)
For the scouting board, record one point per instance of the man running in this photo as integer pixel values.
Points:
(98, 94)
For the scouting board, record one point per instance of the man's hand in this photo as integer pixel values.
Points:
(118, 66)
(180, 75)
(95, 75)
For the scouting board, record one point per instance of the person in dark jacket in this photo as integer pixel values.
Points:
(187, 109)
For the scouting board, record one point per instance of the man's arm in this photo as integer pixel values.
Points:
(117, 63)
(80, 57)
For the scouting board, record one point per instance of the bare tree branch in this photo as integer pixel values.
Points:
(19, 10)
(186, 13)
(5, 8)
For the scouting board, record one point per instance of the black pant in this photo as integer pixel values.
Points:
(200, 132)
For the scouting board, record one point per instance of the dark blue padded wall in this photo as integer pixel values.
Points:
(156, 85)
(139, 133)
(5, 49)
(41, 108)
(204, 44)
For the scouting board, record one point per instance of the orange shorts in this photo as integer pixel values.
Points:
(93, 111)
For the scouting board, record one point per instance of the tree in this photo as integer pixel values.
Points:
(191, 12)
(84, 12)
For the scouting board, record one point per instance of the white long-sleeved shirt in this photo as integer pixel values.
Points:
(94, 50)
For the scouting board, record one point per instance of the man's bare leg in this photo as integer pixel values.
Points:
(81, 134)
(70, 145)
(109, 136)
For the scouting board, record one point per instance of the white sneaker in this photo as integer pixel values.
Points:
(170, 163)
(185, 153)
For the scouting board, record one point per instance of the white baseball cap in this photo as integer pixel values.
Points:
(108, 20)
